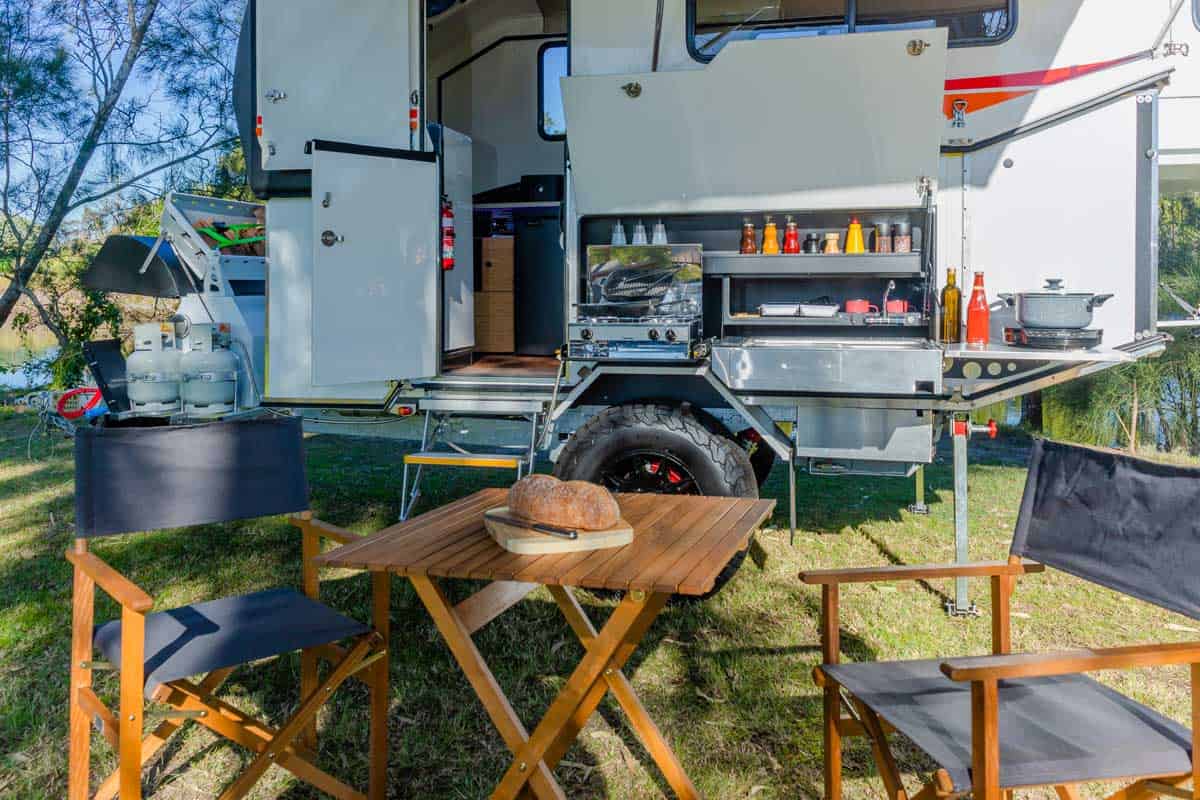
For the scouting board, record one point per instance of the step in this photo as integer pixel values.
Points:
(483, 406)
(478, 461)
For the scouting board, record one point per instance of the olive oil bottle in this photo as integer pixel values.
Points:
(951, 310)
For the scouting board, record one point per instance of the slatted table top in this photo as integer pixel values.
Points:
(681, 544)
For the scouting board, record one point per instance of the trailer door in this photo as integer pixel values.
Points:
(832, 122)
(375, 264)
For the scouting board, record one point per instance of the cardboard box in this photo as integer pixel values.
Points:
(495, 329)
(499, 263)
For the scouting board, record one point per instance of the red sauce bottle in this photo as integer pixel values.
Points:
(791, 237)
(979, 318)
(749, 239)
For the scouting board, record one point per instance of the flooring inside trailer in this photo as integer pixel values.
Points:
(508, 366)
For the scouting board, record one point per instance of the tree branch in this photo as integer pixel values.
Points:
(138, 178)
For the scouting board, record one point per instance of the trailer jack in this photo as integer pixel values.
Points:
(962, 429)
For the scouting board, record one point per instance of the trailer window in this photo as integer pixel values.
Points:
(714, 23)
(552, 67)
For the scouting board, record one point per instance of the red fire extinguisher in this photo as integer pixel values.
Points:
(447, 234)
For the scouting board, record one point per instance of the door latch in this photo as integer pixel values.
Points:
(917, 46)
(632, 89)
(329, 238)
(276, 95)
(960, 114)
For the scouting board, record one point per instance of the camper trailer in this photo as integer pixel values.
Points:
(683, 239)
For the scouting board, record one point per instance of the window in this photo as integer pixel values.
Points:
(715, 23)
(552, 67)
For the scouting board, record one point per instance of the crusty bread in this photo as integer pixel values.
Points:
(578, 505)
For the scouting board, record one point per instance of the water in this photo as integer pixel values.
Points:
(13, 353)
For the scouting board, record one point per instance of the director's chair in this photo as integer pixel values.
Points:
(1008, 721)
(129, 480)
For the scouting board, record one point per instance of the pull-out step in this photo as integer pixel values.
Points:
(454, 459)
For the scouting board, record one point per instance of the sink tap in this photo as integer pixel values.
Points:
(891, 287)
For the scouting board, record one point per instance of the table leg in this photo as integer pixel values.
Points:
(622, 689)
(627, 625)
(458, 638)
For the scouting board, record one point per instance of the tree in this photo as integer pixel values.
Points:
(97, 97)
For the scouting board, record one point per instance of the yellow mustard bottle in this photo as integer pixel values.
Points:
(770, 245)
(854, 238)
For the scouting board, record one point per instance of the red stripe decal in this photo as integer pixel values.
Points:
(1045, 77)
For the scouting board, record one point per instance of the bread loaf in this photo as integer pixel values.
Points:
(578, 505)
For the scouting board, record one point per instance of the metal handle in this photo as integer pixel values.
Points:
(1099, 300)
(330, 238)
(1054, 284)
(1007, 298)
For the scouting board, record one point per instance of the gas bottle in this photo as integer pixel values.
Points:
(152, 370)
(209, 372)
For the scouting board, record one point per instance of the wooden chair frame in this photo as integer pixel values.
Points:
(984, 675)
(292, 746)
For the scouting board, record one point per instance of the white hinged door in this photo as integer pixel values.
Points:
(830, 122)
(375, 264)
(330, 70)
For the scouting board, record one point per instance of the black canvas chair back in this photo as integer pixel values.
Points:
(107, 364)
(139, 479)
(1122, 522)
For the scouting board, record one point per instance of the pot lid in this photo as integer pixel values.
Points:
(1056, 287)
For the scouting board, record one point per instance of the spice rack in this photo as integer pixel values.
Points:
(807, 265)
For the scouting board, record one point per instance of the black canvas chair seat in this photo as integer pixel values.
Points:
(1056, 731)
(201, 638)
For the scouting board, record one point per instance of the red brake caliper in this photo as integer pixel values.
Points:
(673, 476)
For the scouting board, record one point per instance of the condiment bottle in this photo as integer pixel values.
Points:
(618, 235)
(854, 238)
(812, 244)
(951, 310)
(791, 237)
(883, 238)
(639, 234)
(902, 237)
(770, 245)
(749, 239)
(978, 315)
(831, 244)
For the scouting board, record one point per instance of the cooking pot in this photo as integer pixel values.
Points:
(1055, 306)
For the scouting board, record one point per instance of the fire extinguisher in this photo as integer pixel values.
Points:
(447, 234)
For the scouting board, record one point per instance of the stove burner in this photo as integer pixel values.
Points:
(1054, 338)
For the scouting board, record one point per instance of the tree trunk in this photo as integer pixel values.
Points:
(29, 265)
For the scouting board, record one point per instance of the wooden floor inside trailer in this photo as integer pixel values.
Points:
(507, 366)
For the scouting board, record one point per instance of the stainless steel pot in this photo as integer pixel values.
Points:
(1055, 306)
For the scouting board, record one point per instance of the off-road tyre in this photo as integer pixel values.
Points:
(717, 465)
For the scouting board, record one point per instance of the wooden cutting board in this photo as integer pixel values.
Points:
(526, 542)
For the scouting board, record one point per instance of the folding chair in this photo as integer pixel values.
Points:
(129, 480)
(1001, 722)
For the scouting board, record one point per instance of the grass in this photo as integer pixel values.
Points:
(728, 681)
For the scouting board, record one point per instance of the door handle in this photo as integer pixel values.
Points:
(329, 238)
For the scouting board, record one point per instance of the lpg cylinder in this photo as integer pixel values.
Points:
(152, 370)
(209, 372)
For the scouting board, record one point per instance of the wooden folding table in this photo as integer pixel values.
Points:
(681, 544)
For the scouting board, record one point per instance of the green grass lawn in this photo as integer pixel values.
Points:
(729, 681)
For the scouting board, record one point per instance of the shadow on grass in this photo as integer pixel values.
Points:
(442, 741)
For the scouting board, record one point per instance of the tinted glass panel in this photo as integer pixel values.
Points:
(718, 22)
(552, 67)
(968, 20)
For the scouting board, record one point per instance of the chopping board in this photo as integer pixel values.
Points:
(527, 542)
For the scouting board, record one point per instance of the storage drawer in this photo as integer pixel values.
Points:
(834, 366)
(499, 260)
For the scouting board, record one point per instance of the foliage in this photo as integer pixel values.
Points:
(1152, 403)
(101, 101)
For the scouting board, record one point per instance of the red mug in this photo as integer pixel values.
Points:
(861, 307)
(897, 306)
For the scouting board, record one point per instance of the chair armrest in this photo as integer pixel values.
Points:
(116, 585)
(324, 529)
(919, 572)
(1043, 665)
